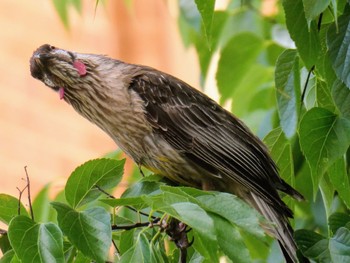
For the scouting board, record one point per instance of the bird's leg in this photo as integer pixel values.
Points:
(207, 186)
(177, 231)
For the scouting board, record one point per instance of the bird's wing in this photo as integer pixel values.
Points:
(207, 134)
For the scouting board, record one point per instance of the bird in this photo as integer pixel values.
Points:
(172, 129)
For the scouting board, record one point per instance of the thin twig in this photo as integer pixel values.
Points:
(20, 198)
(116, 248)
(128, 227)
(306, 83)
(319, 23)
(19, 201)
(29, 197)
(103, 191)
(136, 225)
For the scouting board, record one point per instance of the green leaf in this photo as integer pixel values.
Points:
(142, 187)
(132, 201)
(189, 192)
(287, 81)
(126, 241)
(61, 7)
(41, 205)
(203, 51)
(310, 94)
(327, 191)
(242, 20)
(4, 243)
(34, 242)
(338, 220)
(273, 51)
(78, 5)
(9, 208)
(140, 252)
(341, 97)
(334, 6)
(225, 205)
(81, 185)
(230, 240)
(177, 205)
(206, 9)
(263, 99)
(252, 83)
(196, 258)
(190, 14)
(338, 42)
(236, 58)
(193, 216)
(312, 245)
(81, 258)
(206, 247)
(313, 8)
(181, 194)
(324, 97)
(281, 153)
(137, 192)
(339, 246)
(340, 180)
(324, 137)
(187, 33)
(305, 36)
(9, 257)
(157, 253)
(234, 210)
(70, 252)
(90, 230)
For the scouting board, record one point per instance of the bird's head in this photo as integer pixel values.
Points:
(91, 83)
(59, 69)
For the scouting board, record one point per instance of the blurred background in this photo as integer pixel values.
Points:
(40, 131)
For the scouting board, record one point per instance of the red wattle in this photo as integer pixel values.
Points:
(61, 93)
(80, 67)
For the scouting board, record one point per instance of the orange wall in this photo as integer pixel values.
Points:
(39, 130)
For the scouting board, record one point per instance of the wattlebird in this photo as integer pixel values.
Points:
(172, 129)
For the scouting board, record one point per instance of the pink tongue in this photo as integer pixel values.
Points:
(61, 93)
(80, 67)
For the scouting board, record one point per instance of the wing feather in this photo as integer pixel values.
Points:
(208, 135)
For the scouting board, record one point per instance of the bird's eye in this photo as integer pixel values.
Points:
(52, 47)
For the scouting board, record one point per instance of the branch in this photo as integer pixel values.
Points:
(29, 197)
(19, 198)
(136, 225)
(306, 83)
(116, 248)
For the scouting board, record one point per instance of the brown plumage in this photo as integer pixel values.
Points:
(169, 127)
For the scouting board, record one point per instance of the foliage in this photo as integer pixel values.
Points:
(287, 75)
(62, 7)
(84, 221)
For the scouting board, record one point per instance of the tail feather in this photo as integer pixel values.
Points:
(280, 228)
